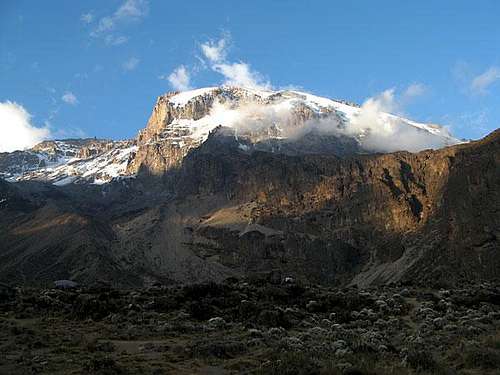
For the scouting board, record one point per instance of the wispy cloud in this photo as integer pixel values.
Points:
(69, 132)
(235, 73)
(483, 81)
(477, 123)
(414, 90)
(241, 74)
(115, 40)
(387, 133)
(87, 18)
(69, 98)
(214, 57)
(472, 83)
(16, 129)
(180, 79)
(215, 51)
(130, 64)
(129, 11)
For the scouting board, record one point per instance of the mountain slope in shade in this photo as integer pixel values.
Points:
(428, 217)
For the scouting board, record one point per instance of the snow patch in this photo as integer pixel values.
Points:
(183, 98)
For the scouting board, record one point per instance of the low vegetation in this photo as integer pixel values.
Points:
(253, 328)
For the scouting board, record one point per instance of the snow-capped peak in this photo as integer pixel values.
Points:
(199, 111)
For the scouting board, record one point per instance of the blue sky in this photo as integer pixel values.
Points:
(95, 68)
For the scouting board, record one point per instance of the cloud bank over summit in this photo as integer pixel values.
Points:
(289, 115)
(383, 131)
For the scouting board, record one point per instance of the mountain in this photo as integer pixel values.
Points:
(288, 122)
(227, 184)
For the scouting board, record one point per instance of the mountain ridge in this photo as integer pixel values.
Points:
(277, 121)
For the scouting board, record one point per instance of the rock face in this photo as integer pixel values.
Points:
(384, 218)
(287, 122)
(269, 195)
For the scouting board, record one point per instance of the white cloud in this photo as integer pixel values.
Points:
(130, 64)
(385, 101)
(476, 123)
(215, 51)
(385, 133)
(480, 83)
(235, 74)
(17, 132)
(414, 90)
(179, 79)
(115, 40)
(104, 24)
(372, 125)
(87, 18)
(69, 98)
(132, 9)
(129, 11)
(68, 132)
(240, 74)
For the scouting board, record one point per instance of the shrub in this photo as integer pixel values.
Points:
(292, 363)
(485, 358)
(421, 360)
